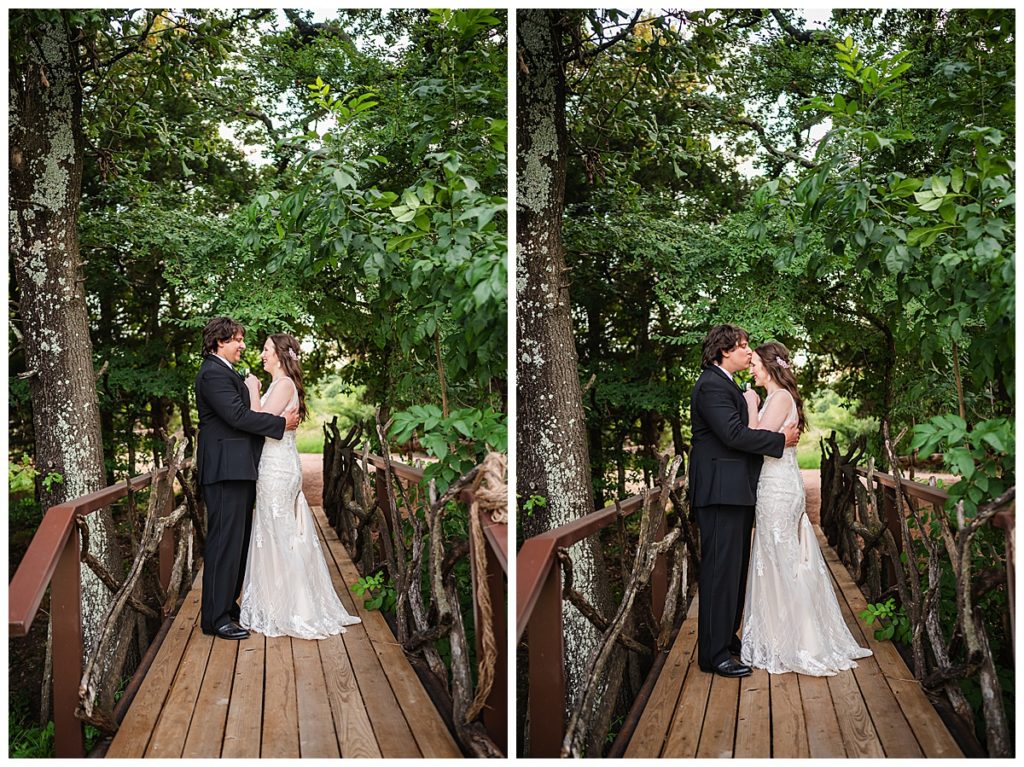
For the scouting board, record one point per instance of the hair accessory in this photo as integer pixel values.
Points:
(782, 363)
(293, 355)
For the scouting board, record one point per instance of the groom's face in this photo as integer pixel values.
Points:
(738, 357)
(232, 350)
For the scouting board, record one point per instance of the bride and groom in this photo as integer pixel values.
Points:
(743, 466)
(246, 458)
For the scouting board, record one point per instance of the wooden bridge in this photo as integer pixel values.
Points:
(874, 711)
(353, 695)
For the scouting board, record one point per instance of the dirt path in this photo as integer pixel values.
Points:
(313, 478)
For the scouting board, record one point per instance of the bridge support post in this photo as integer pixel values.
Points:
(495, 713)
(66, 614)
(547, 670)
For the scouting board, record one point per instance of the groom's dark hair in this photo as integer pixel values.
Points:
(721, 338)
(219, 330)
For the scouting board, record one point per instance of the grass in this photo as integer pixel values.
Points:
(808, 452)
(310, 438)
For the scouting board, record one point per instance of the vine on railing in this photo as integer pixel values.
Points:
(931, 546)
(419, 542)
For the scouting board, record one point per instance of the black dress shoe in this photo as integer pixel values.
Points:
(730, 668)
(231, 631)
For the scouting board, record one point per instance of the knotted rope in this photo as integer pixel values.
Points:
(490, 493)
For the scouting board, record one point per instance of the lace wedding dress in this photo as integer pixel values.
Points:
(791, 619)
(287, 589)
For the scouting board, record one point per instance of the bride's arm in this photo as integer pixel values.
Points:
(777, 411)
(279, 398)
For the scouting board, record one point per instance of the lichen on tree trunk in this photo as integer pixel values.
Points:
(46, 145)
(552, 457)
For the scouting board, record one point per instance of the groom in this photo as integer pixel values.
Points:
(725, 463)
(227, 457)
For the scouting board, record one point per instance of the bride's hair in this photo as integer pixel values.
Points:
(775, 358)
(288, 352)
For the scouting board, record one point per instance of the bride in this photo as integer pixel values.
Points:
(287, 589)
(791, 618)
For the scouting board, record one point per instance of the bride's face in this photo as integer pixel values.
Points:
(269, 356)
(761, 376)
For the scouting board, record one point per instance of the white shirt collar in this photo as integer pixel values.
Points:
(724, 372)
(232, 367)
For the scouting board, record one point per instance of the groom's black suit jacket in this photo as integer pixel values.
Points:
(725, 458)
(230, 434)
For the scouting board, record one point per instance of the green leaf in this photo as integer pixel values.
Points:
(343, 180)
(957, 180)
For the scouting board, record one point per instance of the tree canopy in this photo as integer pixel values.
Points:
(342, 178)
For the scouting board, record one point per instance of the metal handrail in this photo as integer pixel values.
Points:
(914, 489)
(53, 559)
(539, 612)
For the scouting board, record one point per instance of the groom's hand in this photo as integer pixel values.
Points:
(792, 432)
(291, 419)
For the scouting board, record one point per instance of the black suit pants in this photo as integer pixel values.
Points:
(724, 556)
(229, 524)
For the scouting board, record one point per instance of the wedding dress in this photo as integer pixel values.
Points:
(791, 618)
(287, 589)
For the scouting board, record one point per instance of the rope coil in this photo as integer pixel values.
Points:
(490, 494)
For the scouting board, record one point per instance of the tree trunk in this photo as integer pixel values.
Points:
(553, 459)
(45, 141)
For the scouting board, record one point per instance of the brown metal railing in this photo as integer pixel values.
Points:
(539, 616)
(494, 570)
(53, 560)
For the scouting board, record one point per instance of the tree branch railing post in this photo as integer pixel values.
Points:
(167, 546)
(53, 560)
(493, 570)
(931, 533)
(539, 617)
(1006, 520)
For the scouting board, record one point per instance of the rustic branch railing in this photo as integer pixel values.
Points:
(53, 560)
(369, 519)
(877, 520)
(492, 574)
(539, 614)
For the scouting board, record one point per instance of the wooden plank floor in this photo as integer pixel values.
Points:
(875, 710)
(353, 695)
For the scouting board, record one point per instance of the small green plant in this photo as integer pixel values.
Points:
(534, 502)
(376, 593)
(892, 622)
(21, 475)
(26, 738)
